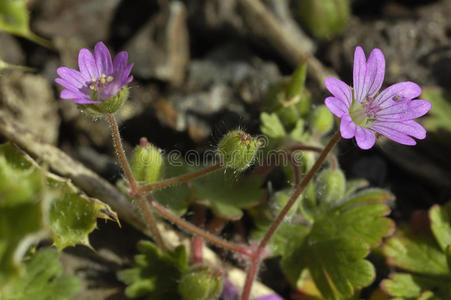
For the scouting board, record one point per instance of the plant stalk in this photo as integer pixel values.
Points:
(255, 262)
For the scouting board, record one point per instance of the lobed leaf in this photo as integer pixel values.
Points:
(155, 275)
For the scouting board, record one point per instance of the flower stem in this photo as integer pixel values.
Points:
(197, 231)
(121, 154)
(198, 242)
(132, 182)
(252, 271)
(179, 179)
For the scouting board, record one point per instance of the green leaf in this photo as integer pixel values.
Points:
(175, 198)
(14, 19)
(440, 217)
(334, 250)
(42, 280)
(45, 204)
(410, 286)
(415, 252)
(227, 194)
(155, 275)
(337, 265)
(297, 134)
(73, 216)
(438, 117)
(6, 66)
(271, 126)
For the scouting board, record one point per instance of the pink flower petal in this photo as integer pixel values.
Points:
(347, 127)
(72, 77)
(365, 138)
(87, 64)
(359, 73)
(70, 94)
(85, 101)
(119, 63)
(337, 106)
(404, 110)
(375, 72)
(339, 89)
(396, 92)
(393, 133)
(103, 59)
(410, 127)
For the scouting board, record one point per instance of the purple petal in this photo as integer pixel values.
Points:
(347, 127)
(365, 138)
(72, 77)
(229, 291)
(70, 94)
(337, 106)
(103, 59)
(393, 133)
(410, 127)
(339, 89)
(375, 72)
(359, 73)
(401, 90)
(119, 63)
(85, 101)
(125, 76)
(404, 110)
(87, 64)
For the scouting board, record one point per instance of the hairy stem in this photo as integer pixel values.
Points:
(253, 269)
(179, 179)
(147, 213)
(121, 153)
(197, 231)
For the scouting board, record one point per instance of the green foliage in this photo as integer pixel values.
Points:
(334, 247)
(175, 198)
(423, 252)
(14, 19)
(42, 280)
(438, 117)
(227, 194)
(271, 126)
(6, 66)
(321, 120)
(35, 204)
(325, 19)
(155, 275)
(200, 283)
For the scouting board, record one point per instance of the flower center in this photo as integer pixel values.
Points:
(97, 85)
(363, 114)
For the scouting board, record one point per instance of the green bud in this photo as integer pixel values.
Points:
(108, 106)
(288, 115)
(297, 82)
(308, 204)
(147, 162)
(280, 199)
(321, 120)
(200, 283)
(326, 18)
(238, 150)
(330, 186)
(305, 103)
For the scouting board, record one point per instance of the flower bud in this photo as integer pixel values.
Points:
(237, 150)
(330, 186)
(200, 283)
(280, 199)
(147, 162)
(326, 18)
(108, 106)
(321, 120)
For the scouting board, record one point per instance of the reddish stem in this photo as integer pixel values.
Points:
(256, 257)
(198, 242)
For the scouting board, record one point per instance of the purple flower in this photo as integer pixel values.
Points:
(99, 77)
(365, 112)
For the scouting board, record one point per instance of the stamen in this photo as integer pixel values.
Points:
(109, 78)
(92, 87)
